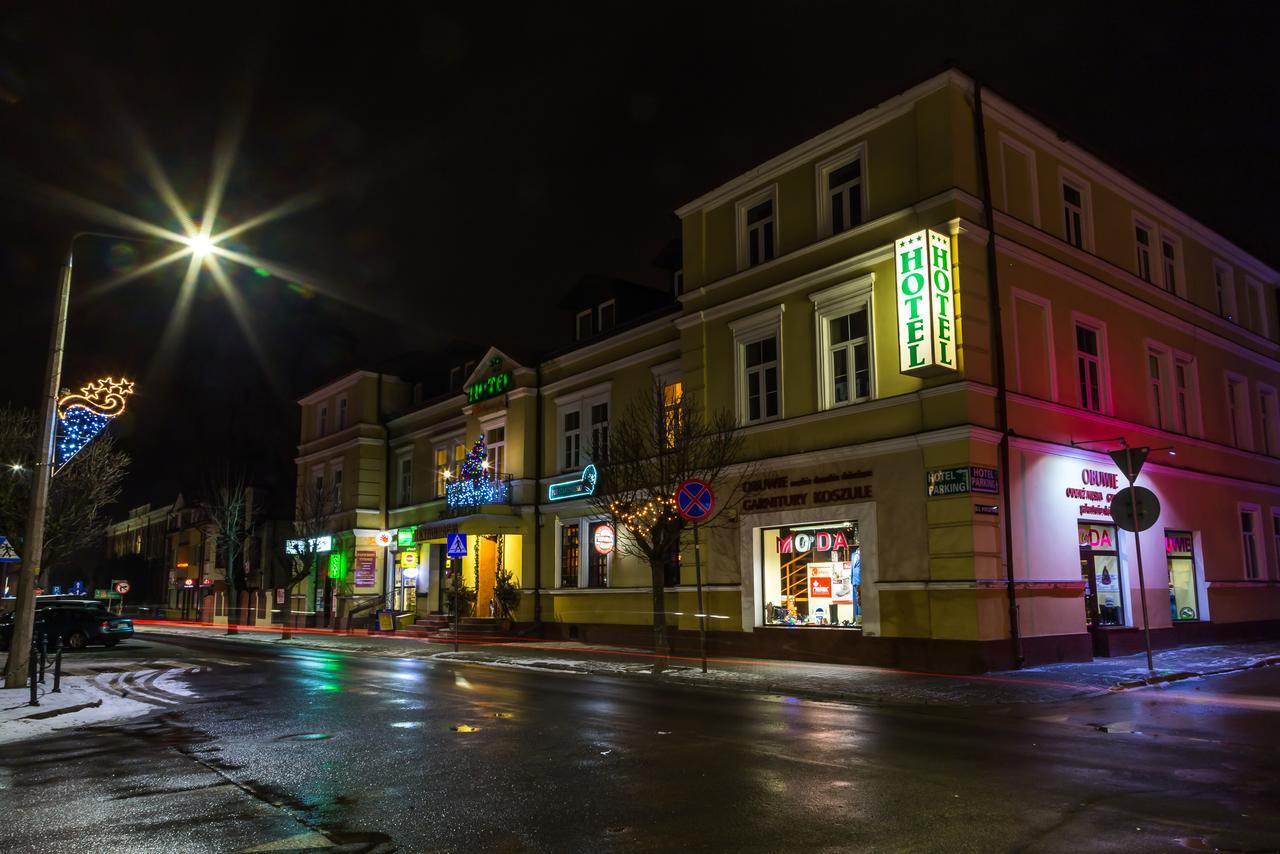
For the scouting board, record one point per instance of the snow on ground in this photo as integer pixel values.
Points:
(80, 703)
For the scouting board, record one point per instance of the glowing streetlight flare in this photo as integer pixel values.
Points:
(200, 245)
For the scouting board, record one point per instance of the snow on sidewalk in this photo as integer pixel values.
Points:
(81, 702)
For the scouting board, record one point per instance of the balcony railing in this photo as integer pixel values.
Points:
(466, 492)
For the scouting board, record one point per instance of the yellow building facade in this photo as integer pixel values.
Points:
(931, 323)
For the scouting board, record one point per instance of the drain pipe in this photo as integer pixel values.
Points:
(998, 357)
(537, 500)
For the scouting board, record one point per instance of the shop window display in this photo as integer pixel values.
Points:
(811, 575)
(1182, 576)
(1100, 572)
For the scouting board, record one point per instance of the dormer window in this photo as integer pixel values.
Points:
(583, 325)
(608, 315)
(677, 282)
(455, 378)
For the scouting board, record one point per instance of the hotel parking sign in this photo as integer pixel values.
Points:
(926, 304)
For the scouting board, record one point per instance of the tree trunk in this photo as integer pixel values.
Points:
(661, 648)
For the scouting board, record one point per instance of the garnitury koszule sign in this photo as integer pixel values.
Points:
(926, 304)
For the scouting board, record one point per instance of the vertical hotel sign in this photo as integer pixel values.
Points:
(926, 305)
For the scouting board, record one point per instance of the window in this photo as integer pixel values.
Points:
(322, 422)
(572, 439)
(1073, 212)
(1142, 243)
(570, 554)
(760, 359)
(467, 368)
(337, 489)
(583, 325)
(1249, 542)
(1170, 266)
(1270, 418)
(1257, 306)
(844, 193)
(811, 575)
(342, 413)
(600, 431)
(404, 487)
(671, 568)
(455, 378)
(1089, 367)
(672, 395)
(1238, 412)
(317, 484)
(677, 282)
(459, 455)
(1157, 385)
(495, 440)
(597, 564)
(1225, 290)
(442, 471)
(608, 315)
(1183, 587)
(1186, 390)
(848, 350)
(757, 229)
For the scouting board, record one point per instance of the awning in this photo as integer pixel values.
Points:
(475, 524)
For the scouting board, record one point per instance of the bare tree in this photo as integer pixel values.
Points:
(234, 517)
(311, 521)
(78, 495)
(662, 439)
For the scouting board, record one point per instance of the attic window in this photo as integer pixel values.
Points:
(455, 379)
(608, 317)
(583, 325)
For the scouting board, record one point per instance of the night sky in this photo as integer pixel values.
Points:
(464, 168)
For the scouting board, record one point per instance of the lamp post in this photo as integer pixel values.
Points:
(33, 543)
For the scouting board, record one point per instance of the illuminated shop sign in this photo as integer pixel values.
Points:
(489, 387)
(926, 304)
(804, 541)
(961, 480)
(754, 502)
(1095, 492)
(317, 544)
(1100, 537)
(404, 538)
(580, 488)
(1177, 543)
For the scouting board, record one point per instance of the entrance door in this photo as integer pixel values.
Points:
(487, 565)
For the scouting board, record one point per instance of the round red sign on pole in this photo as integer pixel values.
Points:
(695, 500)
(122, 587)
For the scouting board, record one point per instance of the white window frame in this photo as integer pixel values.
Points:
(1269, 415)
(1224, 284)
(665, 375)
(589, 314)
(585, 549)
(1238, 408)
(822, 174)
(592, 427)
(1047, 305)
(1030, 154)
(1179, 275)
(740, 209)
(497, 467)
(748, 330)
(1104, 359)
(613, 306)
(1193, 425)
(1257, 299)
(579, 402)
(456, 384)
(439, 482)
(1141, 222)
(1259, 550)
(342, 414)
(317, 480)
(402, 457)
(1162, 404)
(1066, 178)
(828, 305)
(322, 419)
(677, 282)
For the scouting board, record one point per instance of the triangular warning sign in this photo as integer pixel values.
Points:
(1130, 460)
(7, 552)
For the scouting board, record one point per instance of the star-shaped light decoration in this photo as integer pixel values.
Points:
(81, 417)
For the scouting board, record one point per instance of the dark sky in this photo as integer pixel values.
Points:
(469, 165)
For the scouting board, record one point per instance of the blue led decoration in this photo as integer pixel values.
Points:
(475, 485)
(81, 417)
(580, 488)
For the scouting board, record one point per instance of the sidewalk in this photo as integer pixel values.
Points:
(849, 683)
(81, 702)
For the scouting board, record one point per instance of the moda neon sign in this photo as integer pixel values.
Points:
(926, 304)
(803, 541)
(489, 387)
(580, 488)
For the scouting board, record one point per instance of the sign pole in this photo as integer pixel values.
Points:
(1137, 547)
(457, 567)
(702, 612)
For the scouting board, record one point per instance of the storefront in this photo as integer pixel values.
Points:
(1100, 574)
(1184, 580)
(811, 575)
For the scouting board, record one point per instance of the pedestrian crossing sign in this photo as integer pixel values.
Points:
(457, 545)
(7, 552)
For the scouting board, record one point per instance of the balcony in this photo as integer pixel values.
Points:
(467, 493)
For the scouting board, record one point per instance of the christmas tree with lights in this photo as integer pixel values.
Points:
(474, 464)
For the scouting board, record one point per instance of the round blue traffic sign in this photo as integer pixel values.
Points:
(694, 500)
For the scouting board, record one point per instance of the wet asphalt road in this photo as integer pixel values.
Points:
(291, 749)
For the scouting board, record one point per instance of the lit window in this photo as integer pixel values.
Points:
(570, 554)
(1073, 214)
(760, 236)
(1089, 368)
(597, 563)
(459, 455)
(442, 467)
(672, 394)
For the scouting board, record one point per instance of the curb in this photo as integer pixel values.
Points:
(1190, 674)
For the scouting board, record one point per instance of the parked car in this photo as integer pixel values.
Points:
(77, 623)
